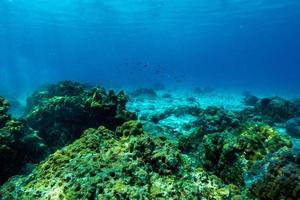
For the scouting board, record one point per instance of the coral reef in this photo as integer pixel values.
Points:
(64, 88)
(18, 144)
(60, 112)
(276, 109)
(177, 149)
(4, 117)
(211, 120)
(127, 164)
(282, 180)
(214, 119)
(229, 155)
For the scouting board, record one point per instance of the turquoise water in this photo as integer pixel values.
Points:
(234, 43)
(205, 99)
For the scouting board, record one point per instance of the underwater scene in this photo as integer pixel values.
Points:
(150, 99)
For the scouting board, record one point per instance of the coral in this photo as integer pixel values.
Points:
(4, 105)
(62, 111)
(18, 144)
(96, 150)
(293, 127)
(63, 88)
(126, 164)
(211, 120)
(282, 180)
(276, 109)
(218, 120)
(259, 140)
(249, 115)
(229, 155)
(214, 119)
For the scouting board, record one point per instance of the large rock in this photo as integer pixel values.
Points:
(230, 154)
(211, 120)
(125, 164)
(18, 144)
(60, 112)
(4, 116)
(282, 179)
(276, 109)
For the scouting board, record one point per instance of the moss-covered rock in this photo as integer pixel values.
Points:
(60, 112)
(282, 179)
(18, 144)
(211, 120)
(229, 156)
(4, 117)
(126, 164)
(276, 109)
(214, 119)
(63, 88)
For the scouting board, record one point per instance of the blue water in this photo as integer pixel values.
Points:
(119, 43)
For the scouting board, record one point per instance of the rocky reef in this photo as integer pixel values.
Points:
(60, 112)
(19, 144)
(229, 156)
(125, 164)
(55, 116)
(277, 109)
(282, 177)
(80, 142)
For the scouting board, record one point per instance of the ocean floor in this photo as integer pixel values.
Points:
(185, 100)
(167, 101)
(79, 142)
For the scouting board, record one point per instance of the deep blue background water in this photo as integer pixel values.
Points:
(233, 43)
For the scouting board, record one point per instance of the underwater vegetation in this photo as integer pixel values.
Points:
(19, 144)
(282, 177)
(61, 112)
(81, 142)
(125, 164)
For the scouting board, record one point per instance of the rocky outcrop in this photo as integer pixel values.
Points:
(18, 144)
(60, 112)
(126, 164)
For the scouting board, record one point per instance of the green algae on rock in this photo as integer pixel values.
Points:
(60, 112)
(126, 164)
(211, 120)
(4, 116)
(276, 109)
(230, 154)
(235, 154)
(18, 144)
(282, 178)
